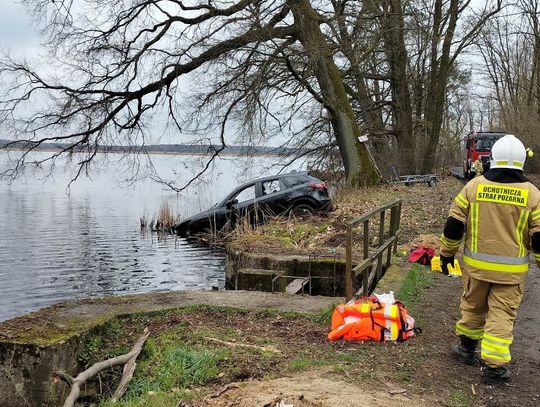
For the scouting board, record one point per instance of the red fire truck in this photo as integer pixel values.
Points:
(477, 146)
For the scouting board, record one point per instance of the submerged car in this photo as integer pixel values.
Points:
(295, 193)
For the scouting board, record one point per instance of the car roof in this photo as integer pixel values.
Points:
(278, 176)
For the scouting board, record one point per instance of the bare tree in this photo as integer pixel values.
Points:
(447, 44)
(117, 62)
(510, 48)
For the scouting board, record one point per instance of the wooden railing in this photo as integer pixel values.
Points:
(371, 264)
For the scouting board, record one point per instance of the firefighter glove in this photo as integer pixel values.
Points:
(445, 261)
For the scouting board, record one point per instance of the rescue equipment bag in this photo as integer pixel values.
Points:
(368, 319)
(422, 255)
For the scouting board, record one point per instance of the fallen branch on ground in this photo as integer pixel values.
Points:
(128, 359)
(223, 390)
(243, 345)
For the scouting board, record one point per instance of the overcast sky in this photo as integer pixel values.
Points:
(16, 28)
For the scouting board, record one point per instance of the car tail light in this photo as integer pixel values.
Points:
(317, 185)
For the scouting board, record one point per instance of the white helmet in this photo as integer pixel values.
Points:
(508, 152)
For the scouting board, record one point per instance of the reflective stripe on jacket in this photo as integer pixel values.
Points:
(499, 219)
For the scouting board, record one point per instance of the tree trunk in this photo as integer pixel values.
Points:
(360, 168)
(440, 71)
(396, 54)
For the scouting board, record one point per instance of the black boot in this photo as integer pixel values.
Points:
(464, 351)
(495, 375)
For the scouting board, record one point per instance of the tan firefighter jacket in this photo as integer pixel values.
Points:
(499, 219)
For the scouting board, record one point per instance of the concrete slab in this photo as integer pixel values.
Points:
(59, 322)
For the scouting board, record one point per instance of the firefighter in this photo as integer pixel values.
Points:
(478, 167)
(499, 216)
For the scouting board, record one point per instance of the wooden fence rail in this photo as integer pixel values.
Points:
(372, 265)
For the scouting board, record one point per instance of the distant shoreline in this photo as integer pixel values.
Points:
(169, 149)
(222, 153)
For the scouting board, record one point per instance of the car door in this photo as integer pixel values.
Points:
(243, 203)
(273, 200)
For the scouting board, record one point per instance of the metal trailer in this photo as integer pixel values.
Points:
(430, 179)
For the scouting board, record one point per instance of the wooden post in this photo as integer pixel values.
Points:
(392, 233)
(366, 239)
(379, 267)
(398, 223)
(381, 239)
(393, 223)
(381, 228)
(389, 255)
(365, 281)
(348, 266)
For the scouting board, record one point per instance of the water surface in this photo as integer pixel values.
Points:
(58, 243)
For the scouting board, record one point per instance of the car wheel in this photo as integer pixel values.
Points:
(302, 210)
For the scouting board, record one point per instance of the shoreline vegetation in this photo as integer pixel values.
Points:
(162, 221)
(165, 149)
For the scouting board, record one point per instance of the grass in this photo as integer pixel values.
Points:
(152, 400)
(172, 366)
(286, 233)
(325, 316)
(301, 363)
(418, 278)
(292, 234)
(177, 362)
(459, 399)
(94, 344)
(168, 369)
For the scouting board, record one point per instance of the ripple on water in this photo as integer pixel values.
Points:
(55, 246)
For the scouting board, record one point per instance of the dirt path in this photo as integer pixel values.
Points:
(525, 388)
(440, 369)
(314, 389)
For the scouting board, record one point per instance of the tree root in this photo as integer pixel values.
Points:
(127, 359)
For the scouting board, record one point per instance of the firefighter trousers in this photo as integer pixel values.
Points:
(488, 311)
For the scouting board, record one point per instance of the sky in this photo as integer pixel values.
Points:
(17, 30)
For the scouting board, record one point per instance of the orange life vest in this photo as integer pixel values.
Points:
(367, 319)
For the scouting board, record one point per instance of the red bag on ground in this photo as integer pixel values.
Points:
(422, 255)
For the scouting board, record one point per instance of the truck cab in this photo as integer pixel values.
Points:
(477, 146)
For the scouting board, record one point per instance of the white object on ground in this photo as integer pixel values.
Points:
(386, 298)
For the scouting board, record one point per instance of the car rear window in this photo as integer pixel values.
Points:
(299, 179)
(296, 180)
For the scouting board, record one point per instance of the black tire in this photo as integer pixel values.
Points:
(302, 209)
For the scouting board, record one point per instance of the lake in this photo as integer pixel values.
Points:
(58, 243)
